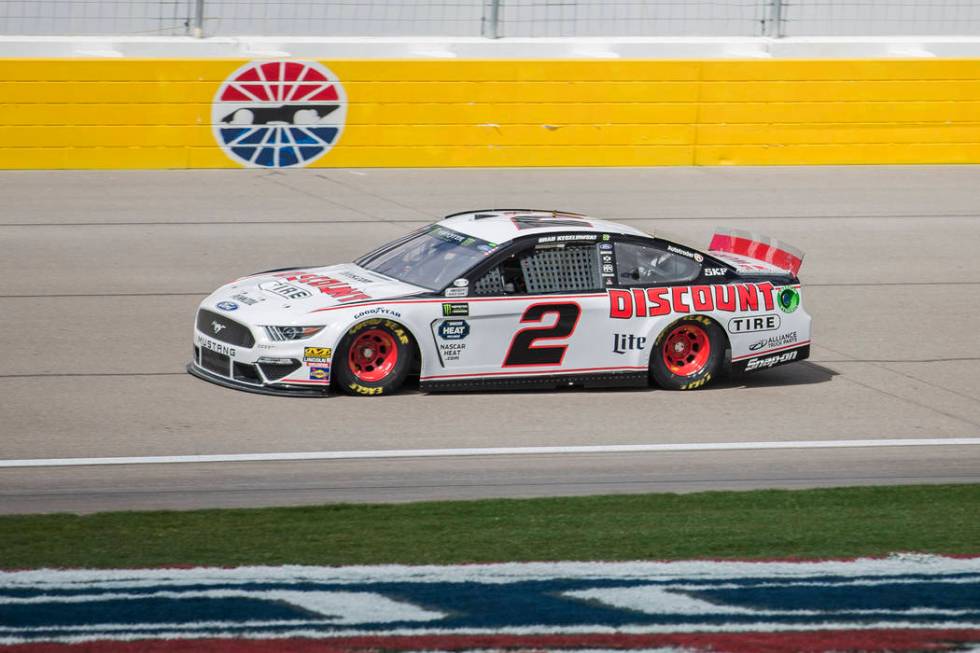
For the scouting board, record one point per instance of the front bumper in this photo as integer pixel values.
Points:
(236, 355)
(279, 390)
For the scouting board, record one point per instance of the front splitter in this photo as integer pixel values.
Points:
(312, 393)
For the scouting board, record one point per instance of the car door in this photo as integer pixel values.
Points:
(538, 308)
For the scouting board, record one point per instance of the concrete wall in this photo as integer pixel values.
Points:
(157, 113)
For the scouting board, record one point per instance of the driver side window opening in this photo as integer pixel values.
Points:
(542, 270)
(641, 264)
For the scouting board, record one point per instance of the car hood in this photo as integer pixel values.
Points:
(287, 297)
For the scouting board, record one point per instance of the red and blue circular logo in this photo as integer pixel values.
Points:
(279, 114)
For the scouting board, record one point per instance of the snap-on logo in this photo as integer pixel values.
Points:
(279, 114)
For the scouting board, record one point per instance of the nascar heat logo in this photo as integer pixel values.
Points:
(279, 114)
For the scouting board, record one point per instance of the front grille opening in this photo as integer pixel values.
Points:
(246, 372)
(223, 328)
(275, 371)
(215, 362)
(197, 354)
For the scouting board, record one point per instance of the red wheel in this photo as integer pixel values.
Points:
(372, 355)
(374, 358)
(686, 349)
(687, 353)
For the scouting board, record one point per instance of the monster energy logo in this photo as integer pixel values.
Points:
(455, 309)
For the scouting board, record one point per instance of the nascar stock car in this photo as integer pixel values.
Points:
(498, 299)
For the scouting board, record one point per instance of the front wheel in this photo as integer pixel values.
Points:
(373, 358)
(687, 354)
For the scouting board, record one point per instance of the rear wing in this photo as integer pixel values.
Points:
(757, 247)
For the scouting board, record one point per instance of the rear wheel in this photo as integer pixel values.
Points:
(687, 354)
(373, 358)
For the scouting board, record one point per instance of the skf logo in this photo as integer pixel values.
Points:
(279, 114)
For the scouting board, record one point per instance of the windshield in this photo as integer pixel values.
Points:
(432, 257)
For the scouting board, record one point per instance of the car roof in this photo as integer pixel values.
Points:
(503, 225)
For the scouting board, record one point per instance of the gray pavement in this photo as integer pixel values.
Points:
(103, 270)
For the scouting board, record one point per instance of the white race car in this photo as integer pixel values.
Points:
(500, 299)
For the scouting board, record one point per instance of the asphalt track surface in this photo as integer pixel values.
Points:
(102, 272)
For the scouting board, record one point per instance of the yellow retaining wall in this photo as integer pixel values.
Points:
(132, 113)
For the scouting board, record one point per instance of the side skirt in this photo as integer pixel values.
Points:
(609, 380)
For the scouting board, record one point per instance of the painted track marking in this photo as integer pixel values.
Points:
(491, 451)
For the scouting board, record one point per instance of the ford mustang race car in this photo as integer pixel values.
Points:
(498, 299)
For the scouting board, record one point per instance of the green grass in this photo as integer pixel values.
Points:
(760, 524)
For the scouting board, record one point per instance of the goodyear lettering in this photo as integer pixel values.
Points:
(365, 390)
(398, 330)
(335, 288)
(378, 310)
(697, 383)
(654, 302)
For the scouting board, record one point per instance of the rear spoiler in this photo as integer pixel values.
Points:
(754, 246)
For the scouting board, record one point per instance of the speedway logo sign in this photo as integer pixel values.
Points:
(916, 595)
(279, 114)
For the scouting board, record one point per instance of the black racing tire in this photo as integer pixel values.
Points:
(687, 354)
(373, 358)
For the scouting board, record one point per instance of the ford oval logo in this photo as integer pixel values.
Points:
(227, 306)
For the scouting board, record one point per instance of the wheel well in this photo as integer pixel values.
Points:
(417, 361)
(413, 343)
(413, 340)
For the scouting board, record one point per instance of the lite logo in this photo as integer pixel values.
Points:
(623, 343)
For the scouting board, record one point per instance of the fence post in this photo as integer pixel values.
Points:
(197, 20)
(774, 22)
(491, 19)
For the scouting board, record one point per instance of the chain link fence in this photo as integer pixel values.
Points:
(491, 18)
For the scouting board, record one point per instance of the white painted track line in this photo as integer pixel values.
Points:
(492, 451)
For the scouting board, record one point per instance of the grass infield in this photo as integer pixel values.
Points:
(844, 522)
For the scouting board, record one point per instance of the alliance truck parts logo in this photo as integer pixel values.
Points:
(279, 114)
